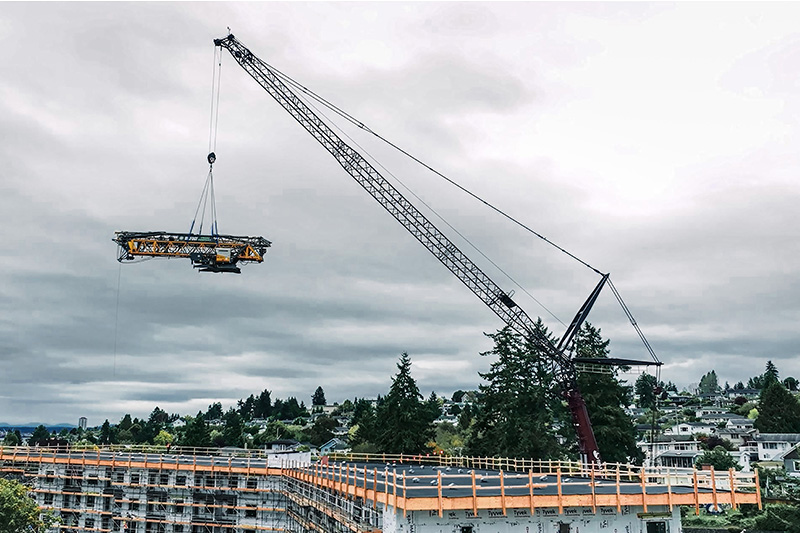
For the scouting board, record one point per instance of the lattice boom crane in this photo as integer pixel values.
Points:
(433, 239)
(209, 253)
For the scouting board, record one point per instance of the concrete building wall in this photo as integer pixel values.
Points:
(546, 520)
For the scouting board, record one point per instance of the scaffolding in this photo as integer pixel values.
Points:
(111, 490)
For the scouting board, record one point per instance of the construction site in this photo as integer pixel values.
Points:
(233, 491)
(225, 491)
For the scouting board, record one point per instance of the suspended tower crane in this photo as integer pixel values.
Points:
(498, 300)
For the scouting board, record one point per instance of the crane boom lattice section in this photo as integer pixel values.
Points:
(395, 203)
(210, 253)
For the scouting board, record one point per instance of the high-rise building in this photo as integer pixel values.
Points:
(82, 422)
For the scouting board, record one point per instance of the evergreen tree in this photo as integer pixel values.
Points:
(646, 391)
(605, 398)
(246, 408)
(262, 406)
(214, 412)
(319, 397)
(40, 434)
(403, 425)
(519, 402)
(234, 429)
(125, 423)
(106, 436)
(364, 422)
(770, 375)
(709, 383)
(197, 433)
(778, 411)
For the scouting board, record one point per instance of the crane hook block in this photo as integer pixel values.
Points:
(211, 158)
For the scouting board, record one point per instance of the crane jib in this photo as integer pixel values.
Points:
(492, 295)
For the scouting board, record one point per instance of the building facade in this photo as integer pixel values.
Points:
(220, 491)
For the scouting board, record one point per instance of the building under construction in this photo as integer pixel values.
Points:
(223, 491)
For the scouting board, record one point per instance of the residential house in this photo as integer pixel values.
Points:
(791, 461)
(772, 446)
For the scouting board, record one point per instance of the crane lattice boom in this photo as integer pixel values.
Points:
(499, 301)
(209, 253)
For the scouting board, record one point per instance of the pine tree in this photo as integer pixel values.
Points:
(645, 390)
(403, 424)
(197, 433)
(519, 402)
(778, 411)
(318, 398)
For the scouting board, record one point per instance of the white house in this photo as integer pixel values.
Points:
(772, 446)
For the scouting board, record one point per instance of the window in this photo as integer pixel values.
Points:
(89, 502)
(466, 529)
(563, 527)
(48, 499)
(119, 477)
(250, 512)
(657, 527)
(177, 528)
(133, 505)
(134, 479)
(252, 483)
(89, 523)
(180, 480)
(163, 479)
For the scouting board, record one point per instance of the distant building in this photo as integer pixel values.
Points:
(82, 422)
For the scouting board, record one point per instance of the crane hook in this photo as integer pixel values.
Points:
(211, 158)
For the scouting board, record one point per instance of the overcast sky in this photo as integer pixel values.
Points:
(657, 142)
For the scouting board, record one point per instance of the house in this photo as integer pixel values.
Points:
(791, 461)
(282, 445)
(749, 394)
(691, 428)
(334, 445)
(672, 451)
(771, 446)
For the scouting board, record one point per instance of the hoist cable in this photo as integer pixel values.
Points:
(366, 128)
(287, 79)
(432, 210)
(632, 321)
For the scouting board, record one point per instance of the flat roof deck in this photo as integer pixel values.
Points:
(414, 486)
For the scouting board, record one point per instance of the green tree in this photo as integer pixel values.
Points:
(40, 435)
(321, 431)
(234, 429)
(319, 397)
(458, 396)
(163, 438)
(645, 389)
(197, 433)
(709, 383)
(126, 422)
(403, 423)
(19, 512)
(11, 439)
(519, 402)
(106, 435)
(605, 397)
(262, 406)
(719, 458)
(364, 423)
(770, 375)
(214, 412)
(778, 411)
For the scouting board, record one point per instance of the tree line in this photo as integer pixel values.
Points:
(518, 411)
